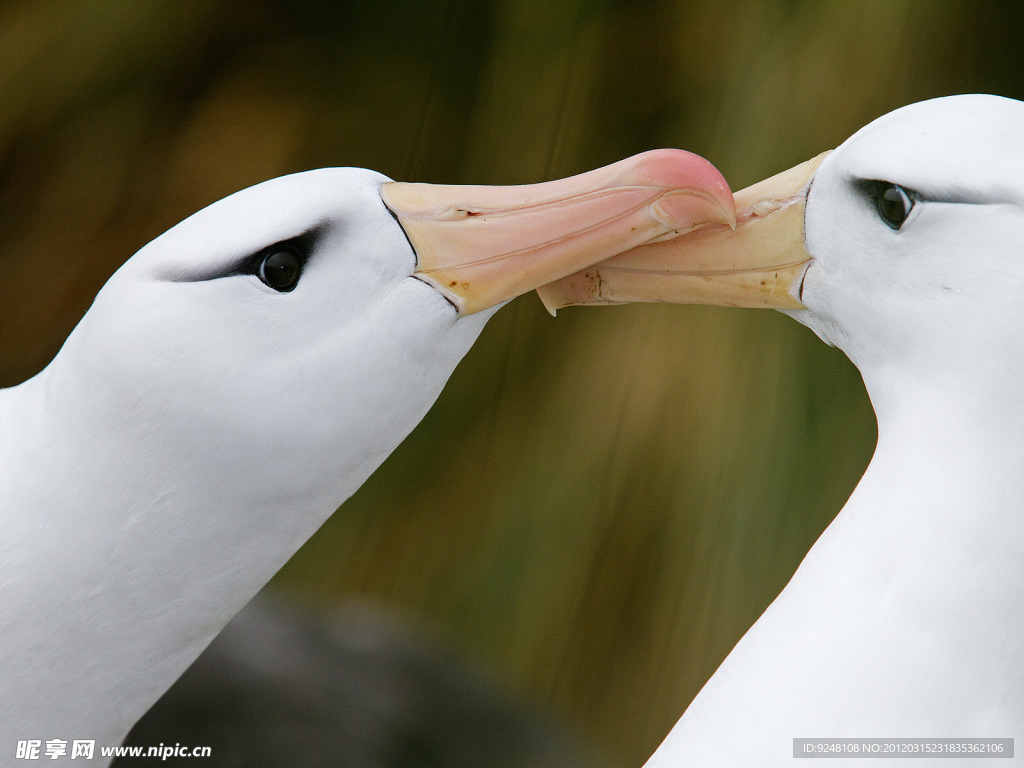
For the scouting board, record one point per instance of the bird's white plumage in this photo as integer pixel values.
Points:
(190, 436)
(905, 619)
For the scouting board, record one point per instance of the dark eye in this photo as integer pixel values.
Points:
(280, 268)
(894, 205)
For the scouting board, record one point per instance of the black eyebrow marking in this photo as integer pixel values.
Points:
(951, 193)
(304, 243)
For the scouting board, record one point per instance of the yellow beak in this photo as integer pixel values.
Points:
(481, 246)
(759, 263)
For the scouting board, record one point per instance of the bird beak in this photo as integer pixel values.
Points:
(758, 263)
(481, 246)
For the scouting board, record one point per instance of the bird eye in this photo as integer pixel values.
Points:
(280, 268)
(894, 205)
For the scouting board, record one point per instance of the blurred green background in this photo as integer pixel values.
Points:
(599, 505)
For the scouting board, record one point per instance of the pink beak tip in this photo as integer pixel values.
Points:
(677, 169)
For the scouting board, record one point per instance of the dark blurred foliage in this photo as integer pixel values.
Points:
(599, 505)
(283, 685)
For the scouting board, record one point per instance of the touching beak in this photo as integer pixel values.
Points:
(481, 246)
(758, 263)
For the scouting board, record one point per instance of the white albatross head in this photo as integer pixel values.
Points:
(290, 335)
(915, 225)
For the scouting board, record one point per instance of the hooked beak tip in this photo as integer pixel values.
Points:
(728, 216)
(549, 304)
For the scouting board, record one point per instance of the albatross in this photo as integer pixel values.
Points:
(903, 247)
(234, 382)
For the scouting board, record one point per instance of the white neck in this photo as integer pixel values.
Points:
(903, 620)
(116, 575)
(132, 533)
